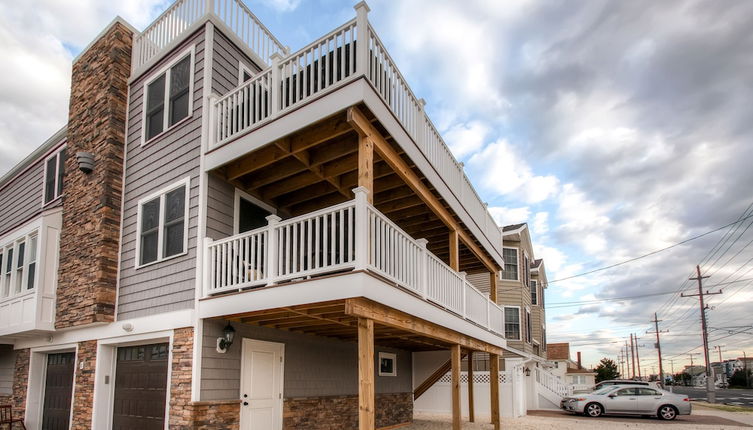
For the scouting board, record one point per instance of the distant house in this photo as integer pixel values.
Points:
(697, 375)
(572, 372)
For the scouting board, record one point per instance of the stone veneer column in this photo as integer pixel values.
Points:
(92, 202)
(187, 415)
(20, 382)
(83, 400)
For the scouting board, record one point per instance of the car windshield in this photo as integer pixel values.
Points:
(604, 390)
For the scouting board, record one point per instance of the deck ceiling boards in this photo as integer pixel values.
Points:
(328, 319)
(318, 167)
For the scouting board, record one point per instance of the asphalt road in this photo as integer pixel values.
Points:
(731, 397)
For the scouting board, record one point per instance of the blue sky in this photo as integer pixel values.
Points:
(612, 128)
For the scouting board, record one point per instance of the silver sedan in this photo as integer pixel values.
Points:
(629, 400)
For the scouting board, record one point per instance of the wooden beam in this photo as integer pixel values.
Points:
(364, 308)
(305, 159)
(455, 358)
(454, 250)
(493, 286)
(366, 414)
(357, 119)
(494, 389)
(366, 166)
(471, 416)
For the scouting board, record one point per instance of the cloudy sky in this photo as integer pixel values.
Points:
(613, 128)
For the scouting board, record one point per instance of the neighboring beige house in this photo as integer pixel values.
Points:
(572, 372)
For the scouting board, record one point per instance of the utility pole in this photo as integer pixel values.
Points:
(638, 357)
(710, 387)
(745, 366)
(627, 362)
(719, 349)
(632, 353)
(658, 347)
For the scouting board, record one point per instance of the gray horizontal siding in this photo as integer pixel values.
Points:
(314, 366)
(169, 285)
(22, 198)
(226, 64)
(220, 208)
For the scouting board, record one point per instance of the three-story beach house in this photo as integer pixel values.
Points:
(228, 234)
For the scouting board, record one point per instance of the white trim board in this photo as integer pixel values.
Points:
(101, 333)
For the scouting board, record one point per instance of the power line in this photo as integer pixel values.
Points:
(611, 266)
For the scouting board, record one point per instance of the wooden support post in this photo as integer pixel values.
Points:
(494, 388)
(454, 251)
(366, 165)
(366, 415)
(471, 416)
(455, 358)
(493, 286)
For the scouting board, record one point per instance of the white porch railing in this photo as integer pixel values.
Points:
(551, 383)
(347, 236)
(347, 53)
(179, 17)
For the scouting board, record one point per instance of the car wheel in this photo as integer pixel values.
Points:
(594, 410)
(667, 412)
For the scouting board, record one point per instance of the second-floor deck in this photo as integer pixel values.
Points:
(351, 236)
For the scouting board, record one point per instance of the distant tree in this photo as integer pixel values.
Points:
(682, 379)
(738, 379)
(607, 369)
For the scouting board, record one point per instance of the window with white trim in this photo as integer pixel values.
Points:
(18, 265)
(579, 379)
(510, 256)
(168, 97)
(534, 292)
(54, 168)
(526, 270)
(162, 224)
(512, 323)
(529, 329)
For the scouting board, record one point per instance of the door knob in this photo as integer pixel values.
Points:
(245, 403)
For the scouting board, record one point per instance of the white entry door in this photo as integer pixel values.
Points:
(261, 385)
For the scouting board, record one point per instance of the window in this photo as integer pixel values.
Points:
(18, 265)
(387, 364)
(53, 176)
(163, 230)
(580, 379)
(168, 97)
(244, 73)
(648, 392)
(512, 323)
(526, 271)
(543, 337)
(627, 392)
(510, 256)
(529, 335)
(534, 293)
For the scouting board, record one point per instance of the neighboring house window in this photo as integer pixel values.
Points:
(526, 271)
(580, 379)
(512, 323)
(163, 230)
(53, 176)
(18, 265)
(534, 293)
(510, 256)
(168, 97)
(529, 335)
(543, 337)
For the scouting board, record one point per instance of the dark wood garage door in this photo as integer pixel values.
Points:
(58, 389)
(140, 387)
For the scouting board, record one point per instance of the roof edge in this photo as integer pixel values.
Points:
(48, 144)
(117, 20)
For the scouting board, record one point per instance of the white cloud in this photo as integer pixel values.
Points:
(506, 216)
(540, 224)
(504, 172)
(466, 138)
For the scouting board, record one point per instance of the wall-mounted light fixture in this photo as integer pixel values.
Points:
(528, 371)
(224, 342)
(85, 161)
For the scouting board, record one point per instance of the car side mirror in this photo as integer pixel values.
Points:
(612, 396)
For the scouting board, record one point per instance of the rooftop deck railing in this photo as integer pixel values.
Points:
(179, 17)
(349, 52)
(344, 237)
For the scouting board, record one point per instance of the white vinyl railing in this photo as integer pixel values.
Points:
(179, 17)
(349, 52)
(551, 382)
(351, 235)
